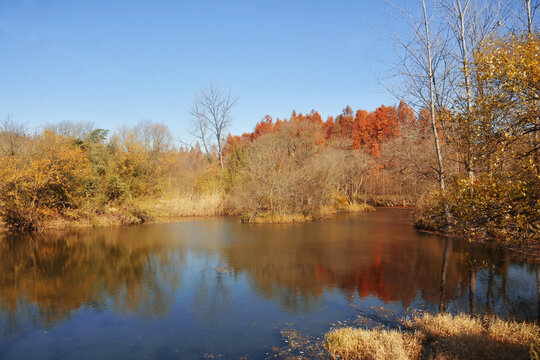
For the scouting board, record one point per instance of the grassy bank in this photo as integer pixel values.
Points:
(275, 218)
(326, 211)
(177, 206)
(163, 209)
(441, 336)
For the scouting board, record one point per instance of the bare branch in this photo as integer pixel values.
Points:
(211, 111)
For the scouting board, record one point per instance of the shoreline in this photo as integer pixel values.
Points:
(158, 215)
(124, 219)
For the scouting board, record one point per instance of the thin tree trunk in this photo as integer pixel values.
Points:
(466, 77)
(432, 114)
(208, 155)
(220, 150)
(528, 9)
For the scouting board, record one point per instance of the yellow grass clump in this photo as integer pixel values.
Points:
(351, 208)
(445, 325)
(351, 343)
(176, 206)
(513, 332)
(440, 337)
(324, 211)
(465, 337)
(276, 218)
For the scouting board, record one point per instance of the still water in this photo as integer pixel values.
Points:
(219, 288)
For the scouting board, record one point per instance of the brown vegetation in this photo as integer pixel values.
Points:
(351, 343)
(76, 174)
(441, 336)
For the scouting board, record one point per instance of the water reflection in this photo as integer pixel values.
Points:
(43, 279)
(379, 256)
(302, 273)
(212, 298)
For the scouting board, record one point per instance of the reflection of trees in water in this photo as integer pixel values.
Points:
(212, 301)
(135, 270)
(472, 286)
(44, 279)
(15, 321)
(497, 283)
(538, 291)
(295, 265)
(444, 271)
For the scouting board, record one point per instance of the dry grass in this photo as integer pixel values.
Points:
(275, 218)
(186, 205)
(445, 325)
(351, 343)
(389, 200)
(465, 337)
(174, 206)
(325, 211)
(352, 208)
(444, 336)
(341, 207)
(512, 332)
(163, 209)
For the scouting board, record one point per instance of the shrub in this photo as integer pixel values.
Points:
(45, 179)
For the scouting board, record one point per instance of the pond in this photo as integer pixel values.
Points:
(216, 288)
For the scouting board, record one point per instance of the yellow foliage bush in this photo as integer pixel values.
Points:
(46, 178)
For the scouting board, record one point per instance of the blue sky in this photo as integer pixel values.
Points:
(116, 62)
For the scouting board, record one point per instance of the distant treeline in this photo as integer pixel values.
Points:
(298, 166)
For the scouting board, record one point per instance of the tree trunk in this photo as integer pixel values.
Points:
(432, 115)
(528, 9)
(220, 150)
(466, 77)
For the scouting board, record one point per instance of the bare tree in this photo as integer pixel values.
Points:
(431, 74)
(200, 127)
(77, 130)
(288, 171)
(211, 111)
(425, 68)
(471, 22)
(530, 8)
(12, 134)
(411, 158)
(352, 169)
